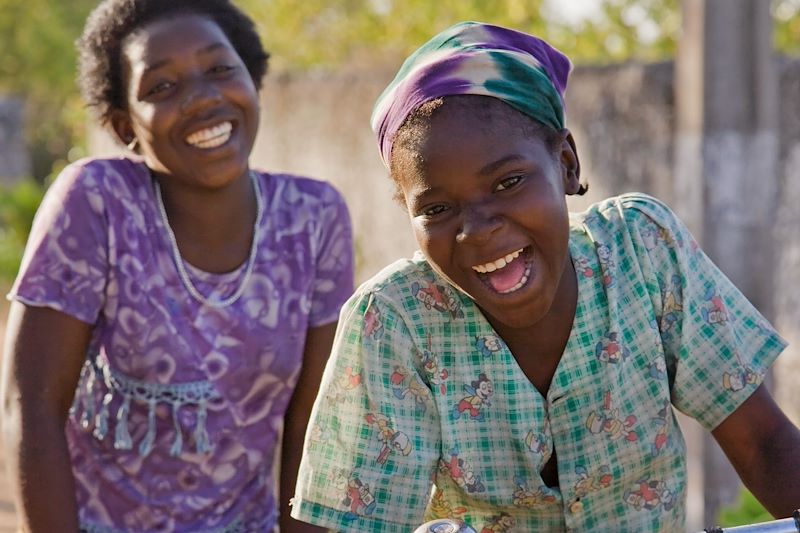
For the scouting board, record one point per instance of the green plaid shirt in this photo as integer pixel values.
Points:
(424, 413)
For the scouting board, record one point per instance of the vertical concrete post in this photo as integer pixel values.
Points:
(726, 162)
(14, 160)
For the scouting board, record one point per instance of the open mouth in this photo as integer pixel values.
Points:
(506, 274)
(211, 137)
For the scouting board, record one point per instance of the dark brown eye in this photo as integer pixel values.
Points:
(433, 210)
(159, 88)
(508, 183)
(221, 69)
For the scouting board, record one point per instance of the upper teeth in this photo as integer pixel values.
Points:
(211, 137)
(497, 263)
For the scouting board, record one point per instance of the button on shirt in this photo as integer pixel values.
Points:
(421, 393)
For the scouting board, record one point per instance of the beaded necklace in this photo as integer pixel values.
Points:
(176, 254)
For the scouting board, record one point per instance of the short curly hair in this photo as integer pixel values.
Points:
(100, 45)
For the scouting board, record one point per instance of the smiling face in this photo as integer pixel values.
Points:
(191, 102)
(487, 204)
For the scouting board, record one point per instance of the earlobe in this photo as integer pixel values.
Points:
(571, 165)
(121, 124)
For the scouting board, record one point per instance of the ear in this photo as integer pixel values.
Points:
(121, 124)
(570, 163)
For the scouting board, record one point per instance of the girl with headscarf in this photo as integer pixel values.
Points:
(549, 344)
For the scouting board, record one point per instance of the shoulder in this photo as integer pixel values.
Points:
(112, 177)
(412, 289)
(291, 190)
(96, 182)
(93, 169)
(630, 212)
(391, 281)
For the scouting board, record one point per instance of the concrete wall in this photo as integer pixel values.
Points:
(14, 160)
(787, 238)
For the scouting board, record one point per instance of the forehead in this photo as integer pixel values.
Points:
(467, 141)
(172, 37)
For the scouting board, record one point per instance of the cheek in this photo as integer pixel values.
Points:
(432, 242)
(149, 121)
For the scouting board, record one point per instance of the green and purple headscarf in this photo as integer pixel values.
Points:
(473, 58)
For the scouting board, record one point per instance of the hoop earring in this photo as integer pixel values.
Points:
(133, 145)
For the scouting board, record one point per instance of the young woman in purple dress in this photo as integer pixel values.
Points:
(174, 308)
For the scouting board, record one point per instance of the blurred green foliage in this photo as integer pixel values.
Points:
(746, 510)
(18, 204)
(334, 33)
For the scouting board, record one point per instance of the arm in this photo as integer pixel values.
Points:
(43, 355)
(762, 445)
(317, 349)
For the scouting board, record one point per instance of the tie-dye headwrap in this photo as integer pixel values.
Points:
(474, 58)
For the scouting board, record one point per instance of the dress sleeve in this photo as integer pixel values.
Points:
(369, 456)
(717, 346)
(333, 282)
(65, 264)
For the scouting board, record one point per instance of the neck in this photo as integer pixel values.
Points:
(213, 228)
(538, 348)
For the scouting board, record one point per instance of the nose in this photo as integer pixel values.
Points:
(199, 95)
(478, 224)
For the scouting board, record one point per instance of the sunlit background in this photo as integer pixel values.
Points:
(321, 47)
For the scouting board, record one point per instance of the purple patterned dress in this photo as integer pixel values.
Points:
(176, 418)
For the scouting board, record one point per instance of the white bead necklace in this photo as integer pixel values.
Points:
(176, 254)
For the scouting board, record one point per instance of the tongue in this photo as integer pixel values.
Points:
(508, 276)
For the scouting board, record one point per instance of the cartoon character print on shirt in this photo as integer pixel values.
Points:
(478, 394)
(499, 523)
(439, 297)
(405, 385)
(713, 310)
(373, 324)
(657, 368)
(357, 498)
(610, 349)
(589, 482)
(461, 472)
(662, 430)
(583, 267)
(319, 434)
(390, 439)
(343, 383)
(650, 495)
(609, 421)
(524, 496)
(607, 264)
(488, 345)
(442, 508)
(672, 304)
(432, 369)
(539, 442)
(741, 376)
(653, 236)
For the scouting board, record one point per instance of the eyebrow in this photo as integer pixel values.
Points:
(203, 51)
(493, 166)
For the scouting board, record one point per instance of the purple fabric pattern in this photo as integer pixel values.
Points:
(176, 417)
